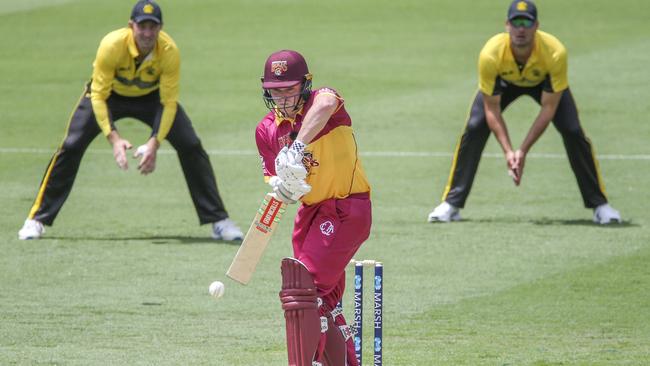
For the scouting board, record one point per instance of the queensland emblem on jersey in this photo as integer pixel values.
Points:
(308, 160)
(284, 140)
(279, 67)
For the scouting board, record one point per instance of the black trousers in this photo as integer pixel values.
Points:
(578, 148)
(82, 130)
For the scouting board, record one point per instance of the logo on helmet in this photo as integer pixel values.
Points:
(279, 67)
(522, 6)
(148, 9)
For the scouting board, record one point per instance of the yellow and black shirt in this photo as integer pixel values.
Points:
(547, 64)
(114, 70)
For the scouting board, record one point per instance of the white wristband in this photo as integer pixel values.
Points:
(298, 146)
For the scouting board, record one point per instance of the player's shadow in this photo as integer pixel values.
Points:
(546, 221)
(582, 222)
(154, 239)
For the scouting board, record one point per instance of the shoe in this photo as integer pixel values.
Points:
(226, 230)
(606, 214)
(444, 213)
(32, 229)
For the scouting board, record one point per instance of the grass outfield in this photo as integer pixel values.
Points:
(525, 279)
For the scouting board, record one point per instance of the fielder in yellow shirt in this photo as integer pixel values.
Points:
(523, 61)
(136, 75)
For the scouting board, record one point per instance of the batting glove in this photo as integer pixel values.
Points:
(289, 194)
(288, 163)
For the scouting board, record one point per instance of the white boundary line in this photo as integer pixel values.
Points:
(385, 154)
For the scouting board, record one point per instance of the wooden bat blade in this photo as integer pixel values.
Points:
(256, 239)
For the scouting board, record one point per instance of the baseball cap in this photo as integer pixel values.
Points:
(522, 8)
(146, 10)
(284, 69)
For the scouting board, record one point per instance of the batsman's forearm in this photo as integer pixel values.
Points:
(311, 128)
(317, 117)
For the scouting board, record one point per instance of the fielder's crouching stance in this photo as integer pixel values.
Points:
(523, 61)
(309, 154)
(136, 74)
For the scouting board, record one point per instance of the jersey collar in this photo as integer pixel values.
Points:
(279, 118)
(133, 48)
(130, 43)
(509, 57)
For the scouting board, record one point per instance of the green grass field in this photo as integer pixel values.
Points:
(525, 279)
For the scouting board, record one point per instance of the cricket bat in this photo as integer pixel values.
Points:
(256, 239)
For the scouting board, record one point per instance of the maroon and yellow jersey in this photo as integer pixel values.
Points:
(547, 64)
(333, 166)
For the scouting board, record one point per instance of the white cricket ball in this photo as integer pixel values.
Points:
(217, 289)
(141, 150)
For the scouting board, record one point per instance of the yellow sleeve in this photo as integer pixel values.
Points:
(487, 73)
(169, 80)
(102, 83)
(558, 70)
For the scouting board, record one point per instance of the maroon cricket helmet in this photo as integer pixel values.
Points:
(284, 69)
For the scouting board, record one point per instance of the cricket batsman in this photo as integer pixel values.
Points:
(309, 154)
(135, 74)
